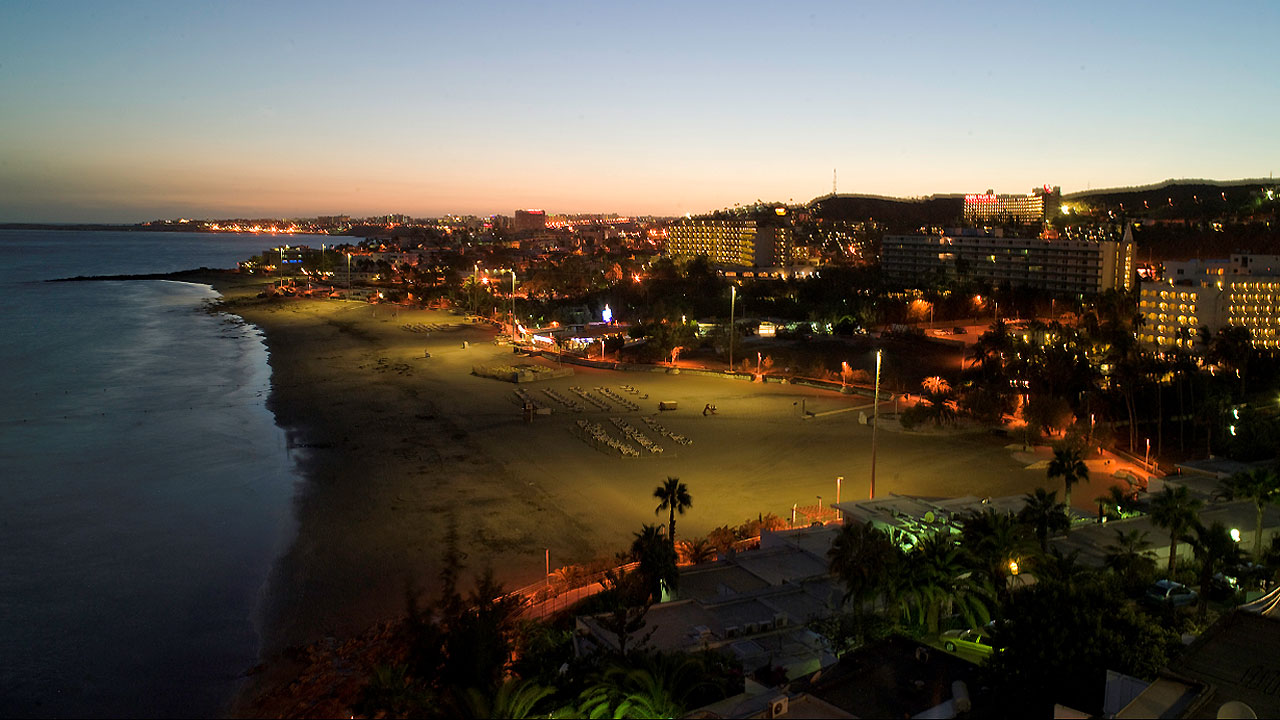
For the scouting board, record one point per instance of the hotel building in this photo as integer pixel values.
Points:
(737, 242)
(528, 221)
(1212, 294)
(1033, 207)
(1063, 266)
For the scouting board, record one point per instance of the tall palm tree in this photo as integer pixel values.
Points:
(1176, 511)
(863, 558)
(1262, 486)
(1216, 551)
(1044, 513)
(1068, 464)
(675, 497)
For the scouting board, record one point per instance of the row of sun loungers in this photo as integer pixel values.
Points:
(524, 398)
(601, 404)
(428, 327)
(559, 397)
(662, 431)
(615, 397)
(596, 435)
(636, 436)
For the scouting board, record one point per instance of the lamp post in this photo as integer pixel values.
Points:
(839, 479)
(733, 296)
(875, 418)
(1147, 461)
(513, 303)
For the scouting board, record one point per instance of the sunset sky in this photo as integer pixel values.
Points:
(122, 112)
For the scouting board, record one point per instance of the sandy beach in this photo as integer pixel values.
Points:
(394, 446)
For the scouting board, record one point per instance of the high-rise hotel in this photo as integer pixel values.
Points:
(1066, 266)
(1033, 207)
(732, 242)
(1243, 291)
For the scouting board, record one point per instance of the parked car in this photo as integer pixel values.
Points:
(1168, 592)
(975, 640)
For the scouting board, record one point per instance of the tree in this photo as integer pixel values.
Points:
(697, 551)
(627, 599)
(934, 576)
(1130, 556)
(864, 559)
(1216, 551)
(1059, 640)
(1043, 512)
(994, 540)
(515, 699)
(657, 560)
(1176, 511)
(1232, 346)
(1262, 486)
(675, 497)
(1116, 502)
(1068, 464)
(649, 686)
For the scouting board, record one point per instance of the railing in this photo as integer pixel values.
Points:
(540, 599)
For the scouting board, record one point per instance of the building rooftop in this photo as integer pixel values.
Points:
(1232, 669)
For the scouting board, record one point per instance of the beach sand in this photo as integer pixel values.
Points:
(395, 446)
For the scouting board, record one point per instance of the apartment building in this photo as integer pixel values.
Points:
(738, 242)
(1063, 266)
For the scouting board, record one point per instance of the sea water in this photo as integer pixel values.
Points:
(145, 487)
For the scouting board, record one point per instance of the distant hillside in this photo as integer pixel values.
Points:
(1184, 219)
(897, 213)
(1189, 199)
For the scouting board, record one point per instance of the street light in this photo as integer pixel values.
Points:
(513, 303)
(875, 418)
(839, 479)
(733, 296)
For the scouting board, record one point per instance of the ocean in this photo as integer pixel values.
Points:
(147, 488)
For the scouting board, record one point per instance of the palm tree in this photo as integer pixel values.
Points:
(864, 559)
(514, 699)
(1216, 550)
(994, 540)
(657, 687)
(1262, 486)
(696, 552)
(1116, 502)
(935, 576)
(1131, 555)
(1045, 514)
(1055, 567)
(657, 560)
(675, 497)
(1176, 511)
(1068, 464)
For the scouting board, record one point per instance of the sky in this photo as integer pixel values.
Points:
(124, 112)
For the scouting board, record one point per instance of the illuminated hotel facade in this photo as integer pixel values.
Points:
(1243, 291)
(736, 242)
(1075, 267)
(1033, 207)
